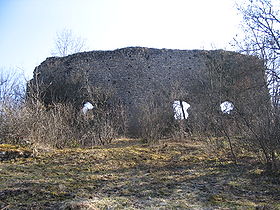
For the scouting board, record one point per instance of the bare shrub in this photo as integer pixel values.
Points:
(262, 136)
(61, 125)
(102, 124)
(67, 43)
(34, 124)
(223, 127)
(180, 130)
(12, 93)
(106, 120)
(157, 116)
(12, 87)
(154, 120)
(254, 130)
(261, 38)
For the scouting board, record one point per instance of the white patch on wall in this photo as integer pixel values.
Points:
(87, 106)
(178, 110)
(227, 107)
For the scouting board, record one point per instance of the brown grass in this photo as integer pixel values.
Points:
(129, 175)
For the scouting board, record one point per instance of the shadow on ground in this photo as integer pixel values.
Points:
(128, 174)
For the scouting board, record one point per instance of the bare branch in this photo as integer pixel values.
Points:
(67, 43)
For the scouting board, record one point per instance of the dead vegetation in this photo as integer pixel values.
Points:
(30, 122)
(127, 174)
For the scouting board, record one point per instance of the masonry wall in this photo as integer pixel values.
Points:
(206, 78)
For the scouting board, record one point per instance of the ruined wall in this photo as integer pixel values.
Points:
(207, 78)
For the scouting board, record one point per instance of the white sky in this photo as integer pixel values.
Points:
(29, 27)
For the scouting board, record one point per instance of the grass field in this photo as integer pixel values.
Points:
(130, 175)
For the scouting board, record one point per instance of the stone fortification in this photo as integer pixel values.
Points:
(206, 78)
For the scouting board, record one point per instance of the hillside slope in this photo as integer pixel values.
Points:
(131, 175)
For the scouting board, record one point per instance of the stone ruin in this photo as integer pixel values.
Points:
(201, 78)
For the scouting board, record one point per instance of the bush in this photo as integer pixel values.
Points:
(58, 125)
(262, 135)
(156, 119)
(33, 124)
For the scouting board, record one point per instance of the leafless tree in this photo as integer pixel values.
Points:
(261, 24)
(12, 86)
(67, 42)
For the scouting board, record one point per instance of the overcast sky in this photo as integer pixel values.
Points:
(28, 27)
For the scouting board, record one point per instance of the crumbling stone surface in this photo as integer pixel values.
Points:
(207, 78)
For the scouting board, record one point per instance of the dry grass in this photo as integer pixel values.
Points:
(58, 126)
(129, 175)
